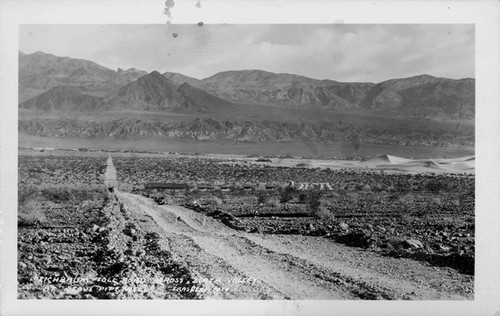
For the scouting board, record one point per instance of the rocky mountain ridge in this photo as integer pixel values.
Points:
(65, 98)
(40, 72)
(422, 96)
(241, 106)
(244, 131)
(419, 96)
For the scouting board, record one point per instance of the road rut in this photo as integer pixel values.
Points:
(240, 265)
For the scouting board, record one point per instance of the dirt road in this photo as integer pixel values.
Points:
(239, 265)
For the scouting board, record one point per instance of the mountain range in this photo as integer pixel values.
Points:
(420, 96)
(207, 129)
(64, 86)
(39, 72)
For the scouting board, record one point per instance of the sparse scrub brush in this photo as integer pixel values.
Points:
(262, 197)
(313, 199)
(287, 194)
(313, 202)
(437, 185)
(395, 243)
(407, 198)
(273, 201)
(468, 194)
(352, 197)
(302, 197)
(30, 213)
(25, 194)
(323, 213)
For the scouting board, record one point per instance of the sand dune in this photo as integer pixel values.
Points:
(452, 165)
(388, 163)
(463, 166)
(386, 159)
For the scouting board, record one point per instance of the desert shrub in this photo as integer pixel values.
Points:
(193, 194)
(262, 197)
(24, 194)
(287, 194)
(468, 194)
(407, 219)
(57, 195)
(238, 191)
(312, 200)
(30, 213)
(352, 197)
(163, 199)
(395, 243)
(407, 198)
(438, 185)
(249, 199)
(60, 195)
(367, 188)
(323, 213)
(377, 187)
(273, 201)
(211, 200)
(436, 201)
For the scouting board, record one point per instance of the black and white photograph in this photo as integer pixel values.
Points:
(203, 161)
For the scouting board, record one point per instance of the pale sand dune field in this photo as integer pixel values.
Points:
(387, 163)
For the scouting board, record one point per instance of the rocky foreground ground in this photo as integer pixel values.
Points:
(131, 248)
(95, 252)
(79, 242)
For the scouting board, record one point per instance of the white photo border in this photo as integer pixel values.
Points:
(485, 15)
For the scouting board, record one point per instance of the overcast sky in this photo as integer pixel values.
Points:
(367, 53)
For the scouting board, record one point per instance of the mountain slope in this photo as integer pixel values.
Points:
(407, 98)
(150, 92)
(424, 96)
(154, 92)
(262, 87)
(199, 100)
(205, 129)
(39, 72)
(421, 96)
(64, 99)
(179, 79)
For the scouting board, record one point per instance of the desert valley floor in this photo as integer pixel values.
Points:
(240, 227)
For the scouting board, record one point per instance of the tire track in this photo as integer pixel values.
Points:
(230, 253)
(282, 266)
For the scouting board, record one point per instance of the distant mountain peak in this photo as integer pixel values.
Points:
(39, 72)
(179, 79)
(64, 98)
(185, 85)
(424, 76)
(419, 96)
(150, 92)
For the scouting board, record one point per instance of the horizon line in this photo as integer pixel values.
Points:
(262, 70)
